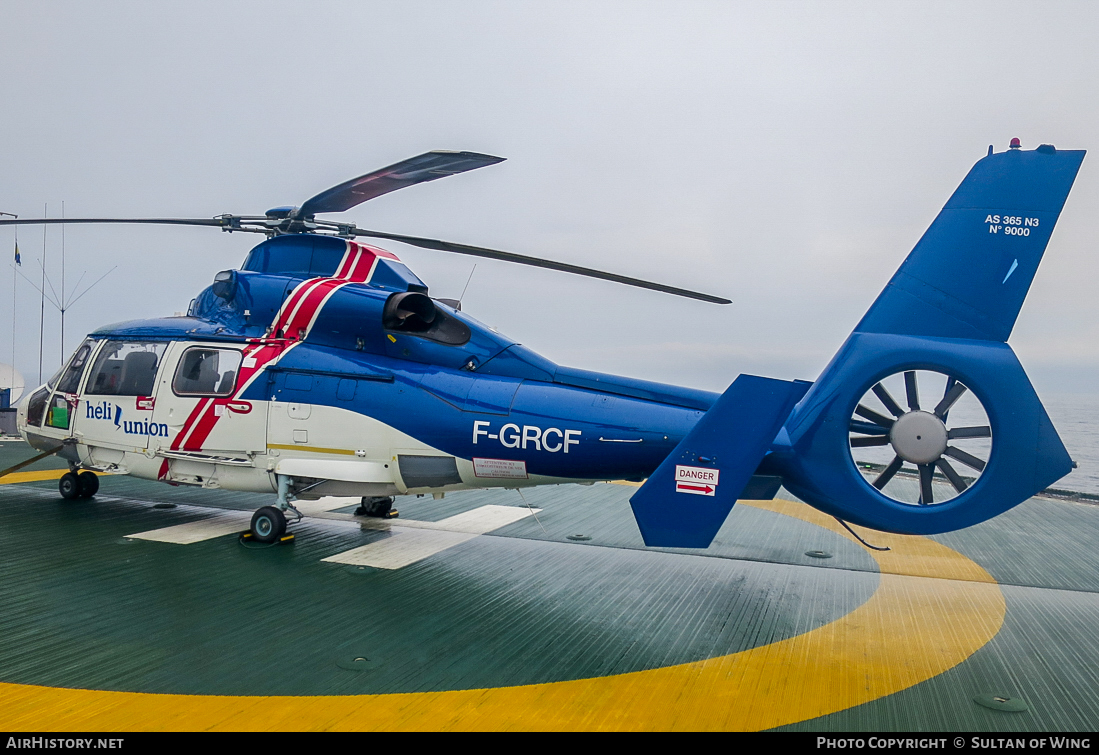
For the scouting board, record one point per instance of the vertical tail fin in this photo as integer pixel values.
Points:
(969, 274)
(949, 309)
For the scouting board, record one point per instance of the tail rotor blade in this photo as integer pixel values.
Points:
(886, 399)
(952, 395)
(927, 474)
(983, 431)
(873, 416)
(867, 428)
(873, 440)
(968, 459)
(888, 472)
(950, 381)
(912, 391)
(951, 474)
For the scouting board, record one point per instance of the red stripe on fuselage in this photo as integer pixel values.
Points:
(296, 316)
(363, 267)
(348, 261)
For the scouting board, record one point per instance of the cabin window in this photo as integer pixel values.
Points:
(70, 378)
(207, 372)
(126, 368)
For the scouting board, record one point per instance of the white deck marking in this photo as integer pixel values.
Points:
(328, 503)
(407, 545)
(484, 519)
(195, 532)
(231, 522)
(409, 541)
(401, 548)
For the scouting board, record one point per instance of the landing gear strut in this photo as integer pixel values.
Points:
(269, 523)
(381, 507)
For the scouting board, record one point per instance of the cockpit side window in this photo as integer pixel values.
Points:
(125, 368)
(207, 372)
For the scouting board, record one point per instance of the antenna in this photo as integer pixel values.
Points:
(62, 345)
(42, 290)
(471, 272)
(63, 302)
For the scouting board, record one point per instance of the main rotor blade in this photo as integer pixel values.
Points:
(522, 259)
(218, 222)
(426, 167)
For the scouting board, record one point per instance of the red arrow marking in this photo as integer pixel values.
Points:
(685, 486)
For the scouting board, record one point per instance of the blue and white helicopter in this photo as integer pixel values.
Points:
(323, 367)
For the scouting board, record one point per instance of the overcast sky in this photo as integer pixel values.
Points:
(785, 155)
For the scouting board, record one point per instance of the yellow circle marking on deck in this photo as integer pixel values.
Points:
(933, 608)
(46, 474)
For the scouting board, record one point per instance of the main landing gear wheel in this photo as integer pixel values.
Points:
(377, 506)
(923, 438)
(69, 486)
(89, 484)
(268, 524)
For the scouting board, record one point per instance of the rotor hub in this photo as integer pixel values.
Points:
(918, 437)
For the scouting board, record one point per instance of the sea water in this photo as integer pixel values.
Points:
(1076, 417)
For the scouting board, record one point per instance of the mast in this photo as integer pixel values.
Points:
(42, 314)
(14, 277)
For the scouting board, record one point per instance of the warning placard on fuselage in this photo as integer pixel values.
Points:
(500, 468)
(696, 480)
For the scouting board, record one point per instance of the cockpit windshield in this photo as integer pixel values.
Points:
(68, 379)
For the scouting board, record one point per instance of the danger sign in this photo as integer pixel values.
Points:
(696, 480)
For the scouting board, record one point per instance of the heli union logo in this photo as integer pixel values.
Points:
(107, 410)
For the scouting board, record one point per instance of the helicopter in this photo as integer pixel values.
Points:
(324, 367)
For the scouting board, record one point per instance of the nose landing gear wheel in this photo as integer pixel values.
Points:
(69, 486)
(89, 484)
(268, 524)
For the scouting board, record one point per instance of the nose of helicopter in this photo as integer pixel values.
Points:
(22, 413)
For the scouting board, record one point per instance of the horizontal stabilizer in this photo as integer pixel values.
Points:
(686, 500)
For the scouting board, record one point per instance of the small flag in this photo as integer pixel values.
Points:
(17, 260)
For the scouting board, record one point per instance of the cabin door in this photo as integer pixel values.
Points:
(196, 405)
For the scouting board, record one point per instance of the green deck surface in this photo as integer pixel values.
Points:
(83, 606)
